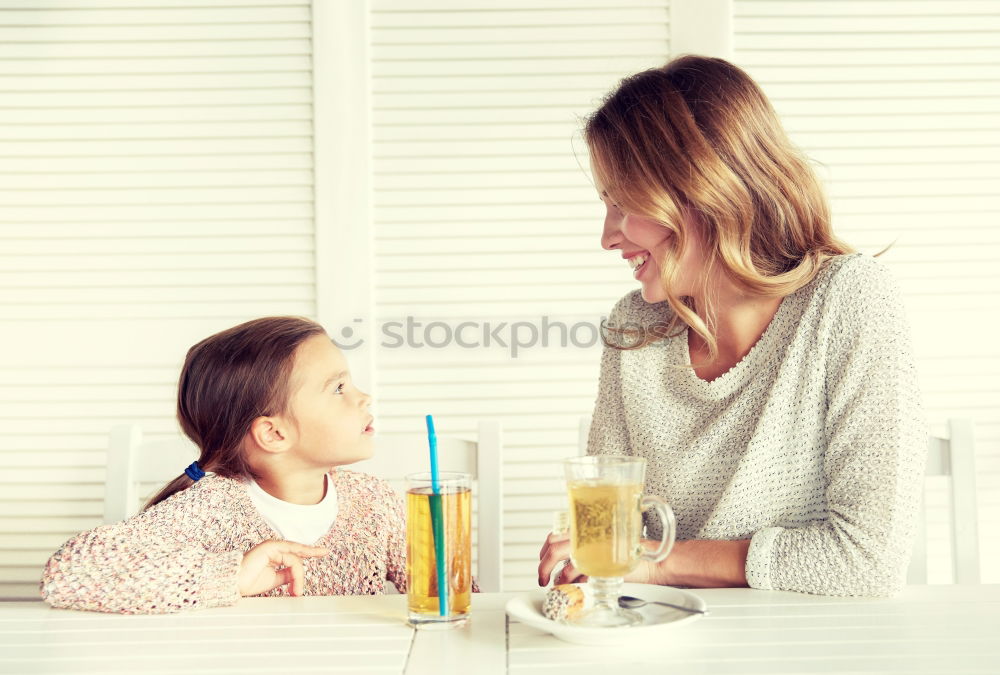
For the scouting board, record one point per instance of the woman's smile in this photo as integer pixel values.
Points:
(637, 262)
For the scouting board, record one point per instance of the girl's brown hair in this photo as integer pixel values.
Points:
(699, 134)
(230, 379)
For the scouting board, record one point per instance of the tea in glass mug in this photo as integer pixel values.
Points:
(605, 530)
(605, 527)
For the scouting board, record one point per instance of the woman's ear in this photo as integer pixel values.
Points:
(270, 434)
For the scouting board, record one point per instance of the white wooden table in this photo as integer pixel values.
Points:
(932, 629)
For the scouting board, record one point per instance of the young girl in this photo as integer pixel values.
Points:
(764, 370)
(263, 511)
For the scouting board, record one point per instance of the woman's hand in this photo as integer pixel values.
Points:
(556, 549)
(275, 563)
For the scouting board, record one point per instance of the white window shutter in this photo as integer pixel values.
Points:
(161, 165)
(157, 186)
(484, 213)
(898, 103)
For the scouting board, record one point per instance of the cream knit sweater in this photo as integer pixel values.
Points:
(813, 445)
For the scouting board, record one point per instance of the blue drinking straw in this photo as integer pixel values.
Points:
(432, 439)
(437, 522)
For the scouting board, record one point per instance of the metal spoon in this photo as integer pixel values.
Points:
(628, 602)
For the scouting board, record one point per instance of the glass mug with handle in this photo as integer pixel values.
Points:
(605, 528)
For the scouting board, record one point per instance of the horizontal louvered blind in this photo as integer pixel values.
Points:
(899, 102)
(157, 186)
(483, 214)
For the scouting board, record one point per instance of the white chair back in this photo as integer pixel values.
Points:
(132, 463)
(953, 457)
(482, 457)
(583, 432)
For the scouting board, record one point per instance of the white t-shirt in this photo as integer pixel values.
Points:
(303, 523)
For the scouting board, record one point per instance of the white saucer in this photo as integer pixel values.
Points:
(527, 608)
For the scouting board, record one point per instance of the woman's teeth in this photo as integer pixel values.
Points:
(636, 261)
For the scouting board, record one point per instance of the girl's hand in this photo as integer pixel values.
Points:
(275, 563)
(556, 549)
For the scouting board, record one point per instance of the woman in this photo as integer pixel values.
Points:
(764, 369)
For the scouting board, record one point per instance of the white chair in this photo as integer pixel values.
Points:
(398, 455)
(583, 432)
(132, 463)
(955, 457)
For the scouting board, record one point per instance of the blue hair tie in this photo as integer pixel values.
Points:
(194, 472)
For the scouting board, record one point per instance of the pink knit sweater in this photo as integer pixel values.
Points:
(185, 552)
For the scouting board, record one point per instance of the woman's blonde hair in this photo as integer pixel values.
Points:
(699, 135)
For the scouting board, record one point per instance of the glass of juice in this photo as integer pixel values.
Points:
(430, 517)
(605, 529)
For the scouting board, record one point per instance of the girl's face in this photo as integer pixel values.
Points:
(645, 243)
(330, 415)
